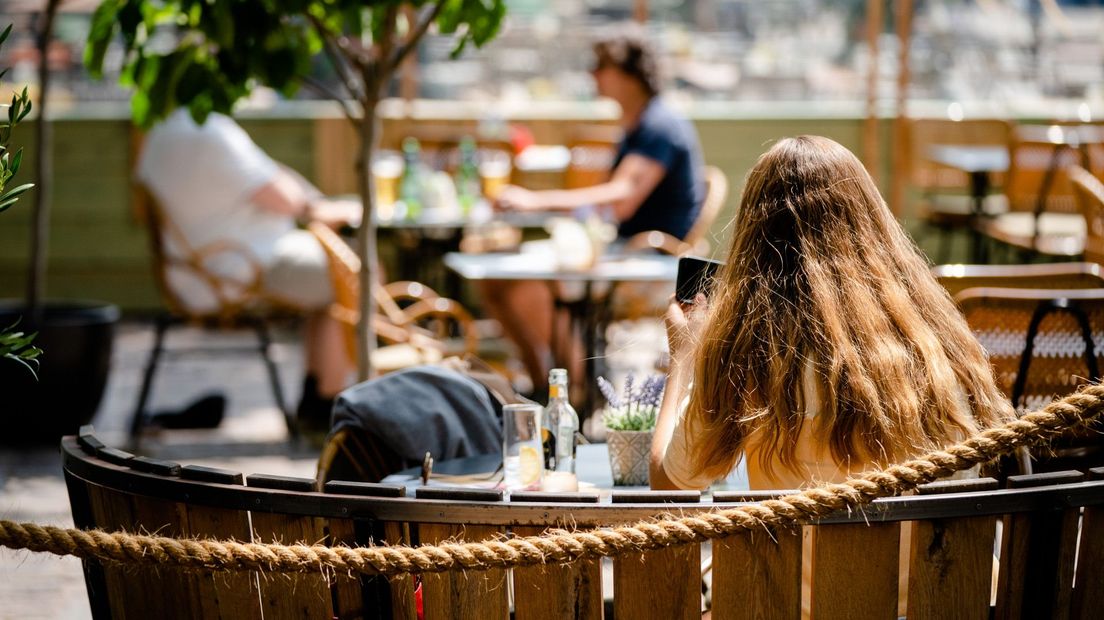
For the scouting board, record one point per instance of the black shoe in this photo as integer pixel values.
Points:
(314, 410)
(206, 412)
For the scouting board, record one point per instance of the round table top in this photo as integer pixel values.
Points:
(485, 471)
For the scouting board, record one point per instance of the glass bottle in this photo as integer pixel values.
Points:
(410, 190)
(563, 420)
(467, 176)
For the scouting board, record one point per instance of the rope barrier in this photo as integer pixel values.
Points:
(1076, 410)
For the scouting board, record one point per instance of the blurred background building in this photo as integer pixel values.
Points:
(1015, 56)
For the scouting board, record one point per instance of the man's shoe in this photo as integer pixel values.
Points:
(206, 412)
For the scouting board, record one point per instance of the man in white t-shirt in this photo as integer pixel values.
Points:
(214, 183)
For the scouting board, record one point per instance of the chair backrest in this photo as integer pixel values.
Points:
(924, 133)
(957, 278)
(854, 562)
(1042, 343)
(716, 192)
(1089, 191)
(392, 323)
(1040, 158)
(225, 298)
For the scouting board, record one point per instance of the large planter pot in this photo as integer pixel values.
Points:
(76, 337)
(628, 453)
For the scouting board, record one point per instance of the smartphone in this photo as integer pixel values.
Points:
(694, 276)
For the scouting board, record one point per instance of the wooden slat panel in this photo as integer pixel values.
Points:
(855, 570)
(1037, 564)
(951, 560)
(557, 591)
(1088, 595)
(144, 592)
(477, 595)
(292, 596)
(223, 595)
(658, 584)
(371, 596)
(757, 575)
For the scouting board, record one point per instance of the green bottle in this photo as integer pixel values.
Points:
(410, 190)
(467, 176)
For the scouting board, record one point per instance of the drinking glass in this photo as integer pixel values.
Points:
(522, 456)
(494, 171)
(387, 168)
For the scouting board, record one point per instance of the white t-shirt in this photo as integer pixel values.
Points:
(204, 176)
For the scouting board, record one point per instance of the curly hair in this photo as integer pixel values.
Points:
(629, 49)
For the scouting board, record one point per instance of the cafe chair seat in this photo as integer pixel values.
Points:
(1054, 234)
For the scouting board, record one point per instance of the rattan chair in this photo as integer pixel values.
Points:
(230, 302)
(1089, 191)
(695, 242)
(430, 328)
(1043, 344)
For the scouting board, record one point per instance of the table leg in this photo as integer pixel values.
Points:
(979, 189)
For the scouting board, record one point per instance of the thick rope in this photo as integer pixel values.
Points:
(1035, 428)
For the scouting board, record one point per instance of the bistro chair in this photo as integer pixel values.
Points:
(228, 302)
(1043, 215)
(1089, 192)
(945, 203)
(419, 333)
(1043, 344)
(695, 242)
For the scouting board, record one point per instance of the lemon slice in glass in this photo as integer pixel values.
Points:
(529, 466)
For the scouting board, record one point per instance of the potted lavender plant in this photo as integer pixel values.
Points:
(630, 420)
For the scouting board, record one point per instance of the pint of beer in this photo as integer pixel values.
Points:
(494, 171)
(387, 168)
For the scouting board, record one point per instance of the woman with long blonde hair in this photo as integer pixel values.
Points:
(826, 346)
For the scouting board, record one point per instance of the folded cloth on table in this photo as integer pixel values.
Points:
(424, 409)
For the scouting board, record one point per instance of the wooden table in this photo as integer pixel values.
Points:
(611, 268)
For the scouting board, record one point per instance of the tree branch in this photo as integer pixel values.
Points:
(334, 49)
(325, 91)
(412, 38)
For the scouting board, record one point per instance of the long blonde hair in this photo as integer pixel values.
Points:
(820, 277)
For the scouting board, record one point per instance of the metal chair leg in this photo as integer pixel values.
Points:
(161, 325)
(264, 346)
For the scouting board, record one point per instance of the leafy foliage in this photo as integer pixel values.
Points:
(17, 346)
(18, 110)
(226, 47)
(14, 345)
(635, 409)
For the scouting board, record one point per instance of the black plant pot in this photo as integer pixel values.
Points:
(76, 337)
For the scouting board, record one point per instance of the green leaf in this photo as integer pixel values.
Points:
(14, 167)
(99, 36)
(4, 35)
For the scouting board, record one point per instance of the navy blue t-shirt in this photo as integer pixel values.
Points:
(667, 138)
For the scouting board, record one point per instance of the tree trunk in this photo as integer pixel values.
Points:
(40, 230)
(366, 235)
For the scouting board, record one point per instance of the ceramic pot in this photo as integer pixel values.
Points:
(629, 452)
(76, 339)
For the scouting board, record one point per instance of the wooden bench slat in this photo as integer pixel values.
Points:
(477, 595)
(757, 575)
(855, 570)
(951, 560)
(1037, 565)
(1088, 595)
(301, 595)
(555, 591)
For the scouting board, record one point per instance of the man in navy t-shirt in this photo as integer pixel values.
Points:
(657, 183)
